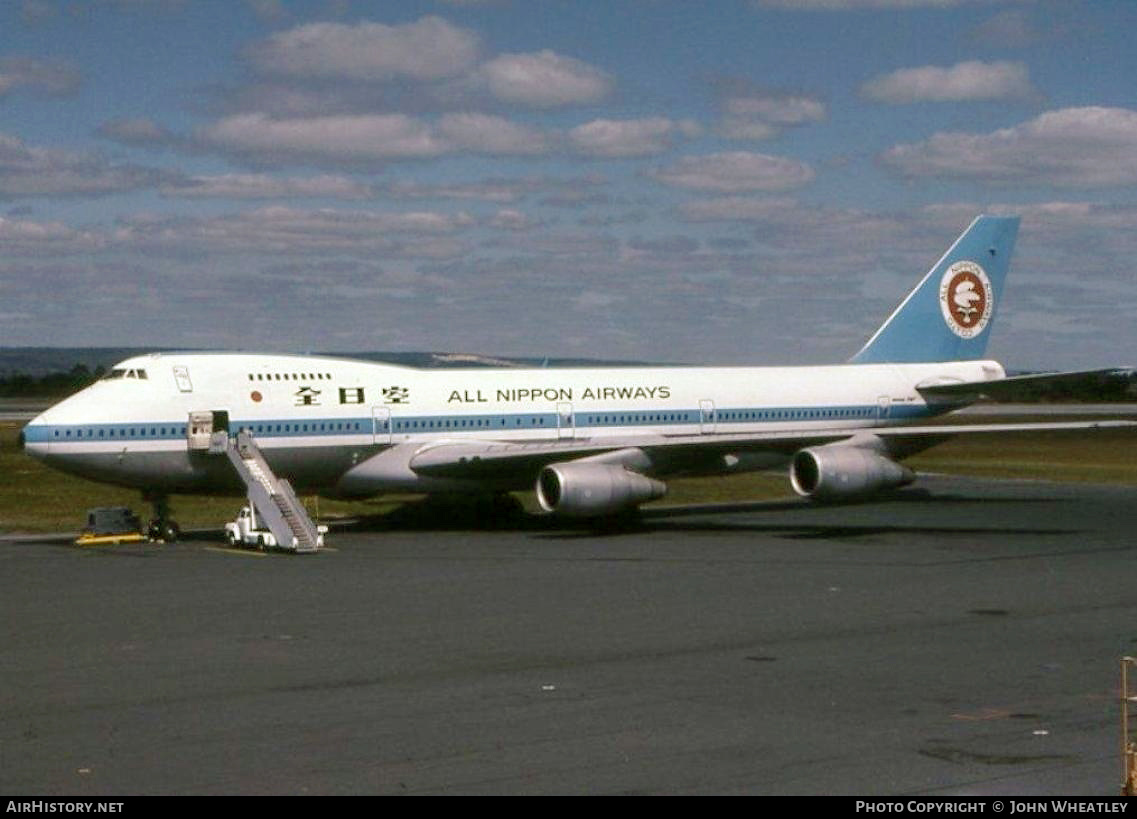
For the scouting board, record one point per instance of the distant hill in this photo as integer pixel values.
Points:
(37, 362)
(53, 372)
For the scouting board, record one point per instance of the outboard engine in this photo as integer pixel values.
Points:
(845, 472)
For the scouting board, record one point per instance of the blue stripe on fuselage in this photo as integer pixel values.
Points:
(418, 424)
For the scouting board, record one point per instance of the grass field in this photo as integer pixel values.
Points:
(36, 499)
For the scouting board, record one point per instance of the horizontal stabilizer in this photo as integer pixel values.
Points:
(1114, 384)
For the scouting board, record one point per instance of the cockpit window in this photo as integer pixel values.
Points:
(122, 372)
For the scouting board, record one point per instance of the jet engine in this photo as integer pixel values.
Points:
(845, 472)
(584, 490)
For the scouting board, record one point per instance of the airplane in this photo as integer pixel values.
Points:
(593, 442)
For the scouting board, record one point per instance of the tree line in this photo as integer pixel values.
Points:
(58, 384)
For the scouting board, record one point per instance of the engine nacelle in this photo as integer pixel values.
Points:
(844, 472)
(585, 490)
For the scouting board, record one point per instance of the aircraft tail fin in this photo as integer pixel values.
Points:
(948, 316)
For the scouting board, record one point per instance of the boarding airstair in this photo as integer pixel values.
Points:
(277, 506)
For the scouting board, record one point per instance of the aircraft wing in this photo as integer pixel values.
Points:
(491, 459)
(683, 453)
(1085, 385)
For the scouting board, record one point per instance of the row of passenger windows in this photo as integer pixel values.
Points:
(122, 432)
(466, 423)
(290, 376)
(458, 423)
(764, 415)
(635, 419)
(332, 426)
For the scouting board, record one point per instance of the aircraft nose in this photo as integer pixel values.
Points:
(33, 439)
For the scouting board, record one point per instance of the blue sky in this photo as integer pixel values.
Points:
(757, 181)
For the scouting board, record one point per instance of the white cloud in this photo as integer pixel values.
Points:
(759, 115)
(51, 77)
(347, 138)
(858, 5)
(544, 79)
(511, 219)
(627, 138)
(21, 236)
(31, 171)
(1013, 28)
(427, 49)
(735, 172)
(747, 129)
(1070, 147)
(966, 81)
(369, 138)
(264, 186)
(137, 131)
(736, 209)
(777, 109)
(486, 134)
(278, 229)
(267, 10)
(500, 191)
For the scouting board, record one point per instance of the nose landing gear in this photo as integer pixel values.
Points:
(162, 526)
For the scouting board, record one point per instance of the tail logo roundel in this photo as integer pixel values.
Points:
(966, 299)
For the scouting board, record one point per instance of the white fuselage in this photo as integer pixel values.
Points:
(315, 418)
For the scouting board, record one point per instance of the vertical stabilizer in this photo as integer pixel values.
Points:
(949, 315)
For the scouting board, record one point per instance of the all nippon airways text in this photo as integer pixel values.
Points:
(1007, 807)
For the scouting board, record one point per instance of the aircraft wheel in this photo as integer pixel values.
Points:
(232, 538)
(170, 532)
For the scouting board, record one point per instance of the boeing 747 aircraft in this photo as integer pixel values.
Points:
(594, 442)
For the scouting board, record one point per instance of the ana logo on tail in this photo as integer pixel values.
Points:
(966, 300)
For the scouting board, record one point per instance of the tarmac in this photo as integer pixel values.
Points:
(962, 637)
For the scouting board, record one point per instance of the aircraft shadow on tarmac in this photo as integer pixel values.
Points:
(809, 521)
(434, 515)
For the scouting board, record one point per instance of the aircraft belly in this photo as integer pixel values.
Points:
(390, 471)
(164, 471)
(181, 471)
(310, 468)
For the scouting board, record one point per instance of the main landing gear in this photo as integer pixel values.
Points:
(162, 526)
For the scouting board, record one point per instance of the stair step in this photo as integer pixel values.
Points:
(277, 505)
